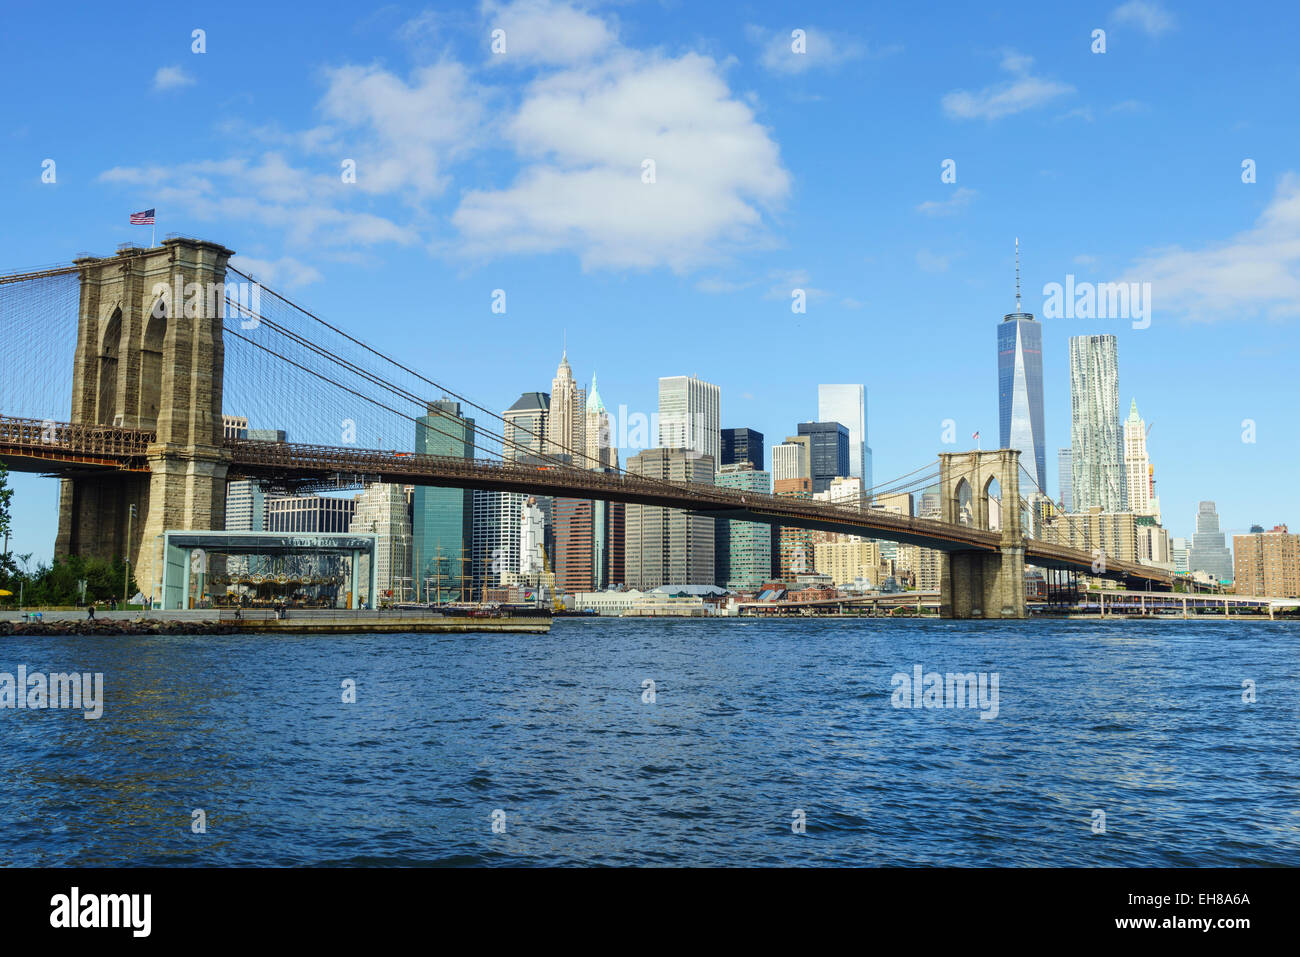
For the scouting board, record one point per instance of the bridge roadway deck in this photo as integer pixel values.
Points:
(63, 449)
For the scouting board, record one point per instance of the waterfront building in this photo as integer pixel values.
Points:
(743, 551)
(849, 559)
(1267, 563)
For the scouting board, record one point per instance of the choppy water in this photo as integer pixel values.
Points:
(752, 720)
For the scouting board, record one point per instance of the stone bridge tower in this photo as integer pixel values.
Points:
(980, 584)
(149, 355)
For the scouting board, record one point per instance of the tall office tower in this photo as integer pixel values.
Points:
(828, 452)
(1020, 391)
(576, 568)
(442, 527)
(1209, 553)
(666, 546)
(566, 424)
(847, 404)
(615, 523)
(790, 458)
(690, 416)
(381, 511)
(485, 534)
(743, 445)
(601, 453)
(1139, 474)
(1097, 479)
(1065, 475)
(525, 426)
(1267, 563)
(496, 533)
(245, 507)
(743, 555)
(1181, 552)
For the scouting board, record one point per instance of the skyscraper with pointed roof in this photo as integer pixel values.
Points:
(1020, 391)
(1139, 476)
(600, 453)
(566, 421)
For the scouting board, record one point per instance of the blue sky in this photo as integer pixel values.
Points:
(774, 171)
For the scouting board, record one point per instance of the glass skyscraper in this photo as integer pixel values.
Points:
(847, 404)
(1020, 392)
(742, 445)
(1098, 473)
(828, 452)
(442, 518)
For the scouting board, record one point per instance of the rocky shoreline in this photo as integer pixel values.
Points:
(91, 627)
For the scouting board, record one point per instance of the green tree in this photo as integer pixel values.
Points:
(8, 570)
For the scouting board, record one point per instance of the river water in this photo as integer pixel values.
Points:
(546, 750)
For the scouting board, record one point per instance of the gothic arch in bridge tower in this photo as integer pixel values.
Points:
(152, 346)
(984, 582)
(106, 371)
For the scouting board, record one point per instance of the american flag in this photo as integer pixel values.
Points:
(142, 219)
(975, 436)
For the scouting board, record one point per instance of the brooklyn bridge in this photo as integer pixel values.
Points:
(117, 372)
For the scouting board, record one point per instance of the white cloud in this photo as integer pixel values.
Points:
(1148, 15)
(541, 31)
(821, 49)
(1255, 274)
(1023, 92)
(171, 78)
(401, 134)
(307, 205)
(575, 136)
(584, 134)
(961, 198)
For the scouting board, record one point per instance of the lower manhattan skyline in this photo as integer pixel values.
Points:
(611, 435)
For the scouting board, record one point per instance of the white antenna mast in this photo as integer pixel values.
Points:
(1017, 274)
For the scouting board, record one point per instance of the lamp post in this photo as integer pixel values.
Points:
(126, 574)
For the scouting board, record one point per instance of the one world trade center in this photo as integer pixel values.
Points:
(1020, 392)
